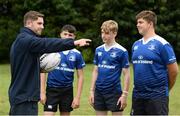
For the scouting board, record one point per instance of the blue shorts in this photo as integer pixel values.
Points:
(142, 106)
(24, 108)
(61, 97)
(106, 102)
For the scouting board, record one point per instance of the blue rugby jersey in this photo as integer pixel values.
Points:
(150, 60)
(63, 75)
(110, 63)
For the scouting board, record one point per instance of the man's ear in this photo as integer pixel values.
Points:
(151, 23)
(28, 23)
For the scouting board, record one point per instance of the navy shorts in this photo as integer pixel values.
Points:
(61, 97)
(106, 102)
(150, 106)
(24, 108)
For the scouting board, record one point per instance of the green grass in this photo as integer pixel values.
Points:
(85, 108)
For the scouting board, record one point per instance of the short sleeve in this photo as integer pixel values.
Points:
(125, 60)
(168, 54)
(80, 61)
(95, 60)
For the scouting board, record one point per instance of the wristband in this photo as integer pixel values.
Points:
(123, 95)
(126, 92)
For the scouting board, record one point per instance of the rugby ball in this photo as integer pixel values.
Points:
(49, 61)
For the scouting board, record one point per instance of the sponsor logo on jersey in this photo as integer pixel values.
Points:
(64, 68)
(106, 66)
(141, 61)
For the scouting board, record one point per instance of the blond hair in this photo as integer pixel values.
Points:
(109, 26)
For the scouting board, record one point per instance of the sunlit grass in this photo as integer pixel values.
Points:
(85, 108)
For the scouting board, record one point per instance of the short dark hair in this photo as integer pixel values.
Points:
(32, 15)
(69, 28)
(148, 16)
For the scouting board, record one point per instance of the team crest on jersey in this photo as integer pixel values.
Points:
(72, 58)
(99, 53)
(151, 47)
(113, 54)
(135, 47)
(104, 62)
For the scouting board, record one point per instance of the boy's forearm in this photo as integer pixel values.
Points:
(79, 87)
(94, 77)
(80, 81)
(172, 72)
(126, 73)
(43, 83)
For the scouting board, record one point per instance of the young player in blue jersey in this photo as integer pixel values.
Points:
(106, 93)
(59, 90)
(155, 68)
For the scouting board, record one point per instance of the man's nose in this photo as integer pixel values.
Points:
(42, 26)
(137, 24)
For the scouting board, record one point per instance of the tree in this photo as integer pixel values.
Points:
(87, 16)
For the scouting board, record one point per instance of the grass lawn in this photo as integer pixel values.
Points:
(85, 108)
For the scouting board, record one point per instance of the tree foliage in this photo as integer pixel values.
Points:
(87, 16)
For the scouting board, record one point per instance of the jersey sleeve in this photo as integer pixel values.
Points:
(125, 60)
(168, 54)
(80, 61)
(95, 60)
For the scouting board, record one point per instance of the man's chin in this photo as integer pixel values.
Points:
(38, 33)
(140, 32)
(104, 41)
